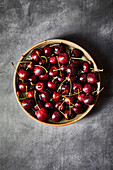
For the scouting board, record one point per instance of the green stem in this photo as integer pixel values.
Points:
(43, 68)
(59, 66)
(81, 59)
(61, 84)
(35, 99)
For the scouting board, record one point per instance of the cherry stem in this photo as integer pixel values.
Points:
(59, 66)
(98, 92)
(43, 68)
(98, 70)
(54, 79)
(24, 62)
(61, 84)
(23, 98)
(56, 70)
(44, 57)
(35, 99)
(17, 94)
(61, 105)
(61, 112)
(81, 59)
(26, 91)
(32, 83)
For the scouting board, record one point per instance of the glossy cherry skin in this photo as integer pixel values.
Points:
(59, 49)
(63, 67)
(45, 96)
(33, 78)
(42, 114)
(35, 54)
(76, 53)
(43, 63)
(71, 69)
(23, 86)
(38, 71)
(38, 106)
(68, 114)
(52, 85)
(44, 77)
(92, 78)
(83, 77)
(53, 71)
(49, 105)
(71, 78)
(48, 51)
(61, 78)
(88, 88)
(77, 86)
(56, 116)
(80, 97)
(30, 65)
(57, 104)
(40, 86)
(56, 96)
(53, 59)
(89, 99)
(30, 94)
(65, 89)
(69, 99)
(85, 67)
(23, 74)
(28, 103)
(63, 58)
(78, 108)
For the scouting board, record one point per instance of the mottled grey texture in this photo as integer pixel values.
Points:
(26, 144)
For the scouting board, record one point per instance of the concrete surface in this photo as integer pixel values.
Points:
(26, 144)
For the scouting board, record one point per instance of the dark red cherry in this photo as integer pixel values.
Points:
(30, 65)
(23, 74)
(63, 67)
(40, 86)
(27, 103)
(89, 99)
(88, 88)
(71, 78)
(53, 71)
(57, 104)
(63, 58)
(78, 108)
(45, 96)
(33, 78)
(71, 69)
(80, 97)
(30, 94)
(68, 114)
(56, 96)
(59, 48)
(76, 53)
(44, 77)
(56, 116)
(23, 86)
(69, 99)
(83, 77)
(77, 87)
(48, 51)
(61, 78)
(53, 59)
(43, 63)
(39, 105)
(49, 105)
(65, 89)
(52, 84)
(85, 67)
(92, 78)
(42, 114)
(38, 71)
(35, 54)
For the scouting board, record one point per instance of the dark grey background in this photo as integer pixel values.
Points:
(26, 144)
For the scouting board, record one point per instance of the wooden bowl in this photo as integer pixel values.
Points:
(72, 45)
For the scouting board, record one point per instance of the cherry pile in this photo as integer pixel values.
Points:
(57, 83)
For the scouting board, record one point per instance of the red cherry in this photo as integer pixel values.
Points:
(83, 77)
(92, 78)
(35, 54)
(80, 97)
(61, 78)
(85, 67)
(59, 48)
(42, 114)
(30, 94)
(56, 116)
(45, 96)
(78, 108)
(56, 96)
(23, 74)
(77, 86)
(49, 105)
(27, 103)
(88, 88)
(22, 86)
(40, 86)
(52, 85)
(53, 59)
(89, 99)
(33, 78)
(69, 99)
(63, 67)
(71, 69)
(77, 53)
(63, 58)
(43, 63)
(53, 71)
(59, 104)
(68, 115)
(71, 78)
(38, 71)
(39, 105)
(44, 77)
(65, 89)
(48, 51)
(30, 65)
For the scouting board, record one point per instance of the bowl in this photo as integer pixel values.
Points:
(31, 113)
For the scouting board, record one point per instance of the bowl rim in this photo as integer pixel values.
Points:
(49, 41)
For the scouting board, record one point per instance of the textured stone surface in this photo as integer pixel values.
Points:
(27, 145)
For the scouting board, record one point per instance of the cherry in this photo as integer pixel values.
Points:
(22, 86)
(53, 71)
(30, 94)
(76, 53)
(52, 85)
(33, 78)
(23, 74)
(44, 77)
(63, 58)
(61, 78)
(38, 106)
(89, 99)
(27, 103)
(40, 86)
(68, 114)
(65, 89)
(49, 105)
(71, 78)
(80, 97)
(56, 116)
(71, 69)
(59, 104)
(45, 96)
(63, 67)
(43, 63)
(85, 67)
(69, 99)
(83, 77)
(56, 96)
(59, 48)
(77, 86)
(53, 59)
(42, 114)
(92, 78)
(48, 51)
(78, 108)
(88, 88)
(38, 71)
(35, 54)
(30, 65)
